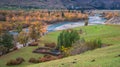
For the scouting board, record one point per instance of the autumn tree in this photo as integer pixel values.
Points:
(33, 33)
(18, 27)
(23, 38)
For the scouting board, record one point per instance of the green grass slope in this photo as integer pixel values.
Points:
(104, 57)
(109, 34)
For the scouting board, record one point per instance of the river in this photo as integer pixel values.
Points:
(93, 20)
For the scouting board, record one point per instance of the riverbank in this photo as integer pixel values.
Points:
(114, 20)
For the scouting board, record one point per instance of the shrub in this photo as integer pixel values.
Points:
(80, 47)
(20, 59)
(3, 50)
(13, 62)
(33, 44)
(60, 56)
(67, 38)
(43, 59)
(51, 45)
(33, 60)
(48, 58)
(94, 44)
(65, 51)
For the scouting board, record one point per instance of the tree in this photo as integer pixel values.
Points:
(18, 27)
(23, 38)
(67, 38)
(33, 33)
(6, 39)
(86, 22)
(36, 30)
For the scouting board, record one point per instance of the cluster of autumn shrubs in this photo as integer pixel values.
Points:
(45, 58)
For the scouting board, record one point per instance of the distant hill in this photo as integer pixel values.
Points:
(61, 4)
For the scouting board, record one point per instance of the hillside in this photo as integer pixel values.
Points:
(60, 4)
(108, 33)
(105, 57)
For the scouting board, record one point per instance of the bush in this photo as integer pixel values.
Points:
(51, 45)
(33, 60)
(43, 59)
(94, 44)
(34, 44)
(20, 59)
(14, 62)
(80, 47)
(67, 38)
(48, 58)
(3, 50)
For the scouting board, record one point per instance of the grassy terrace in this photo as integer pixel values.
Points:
(105, 57)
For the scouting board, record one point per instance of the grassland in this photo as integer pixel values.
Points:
(105, 57)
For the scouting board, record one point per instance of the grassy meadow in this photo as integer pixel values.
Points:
(104, 57)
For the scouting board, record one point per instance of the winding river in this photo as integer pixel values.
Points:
(93, 20)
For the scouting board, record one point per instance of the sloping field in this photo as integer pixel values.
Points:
(104, 57)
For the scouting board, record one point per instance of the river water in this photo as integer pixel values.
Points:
(93, 20)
